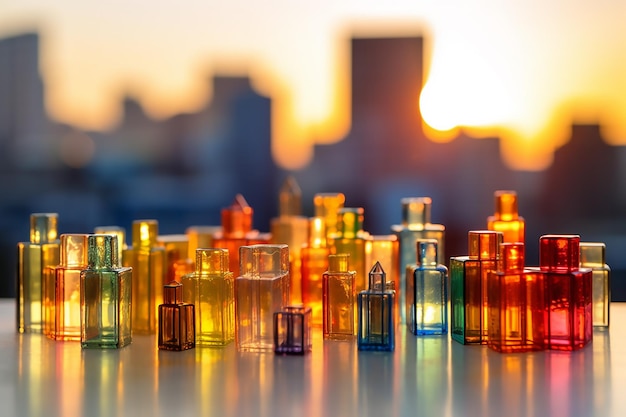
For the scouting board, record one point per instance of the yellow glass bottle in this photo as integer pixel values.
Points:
(176, 248)
(211, 289)
(350, 238)
(148, 263)
(326, 206)
(67, 287)
(339, 299)
(592, 255)
(506, 218)
(34, 258)
(314, 264)
(197, 237)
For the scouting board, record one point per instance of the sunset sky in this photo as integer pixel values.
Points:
(522, 70)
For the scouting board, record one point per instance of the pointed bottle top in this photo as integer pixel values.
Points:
(506, 205)
(592, 254)
(102, 251)
(317, 232)
(339, 262)
(512, 257)
(426, 252)
(145, 233)
(212, 261)
(326, 206)
(290, 198)
(173, 293)
(484, 244)
(377, 278)
(74, 250)
(43, 227)
(237, 219)
(416, 211)
(263, 261)
(559, 253)
(350, 222)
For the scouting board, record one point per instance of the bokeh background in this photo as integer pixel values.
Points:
(115, 111)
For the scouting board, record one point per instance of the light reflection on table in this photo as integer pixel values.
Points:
(423, 377)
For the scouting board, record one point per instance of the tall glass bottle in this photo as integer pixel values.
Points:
(592, 255)
(67, 287)
(261, 290)
(291, 228)
(376, 315)
(416, 224)
(427, 292)
(506, 218)
(177, 329)
(105, 296)
(326, 206)
(516, 303)
(314, 264)
(468, 287)
(237, 231)
(350, 238)
(569, 323)
(35, 257)
(148, 263)
(211, 289)
(339, 293)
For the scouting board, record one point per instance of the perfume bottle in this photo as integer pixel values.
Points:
(105, 296)
(198, 237)
(261, 290)
(592, 255)
(468, 287)
(350, 238)
(415, 225)
(211, 289)
(516, 304)
(118, 231)
(34, 259)
(384, 249)
(292, 330)
(376, 316)
(148, 263)
(506, 218)
(338, 299)
(237, 231)
(427, 292)
(314, 264)
(326, 206)
(291, 228)
(177, 329)
(569, 324)
(67, 287)
(176, 248)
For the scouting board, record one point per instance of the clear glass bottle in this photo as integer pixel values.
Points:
(350, 238)
(105, 296)
(416, 224)
(211, 289)
(148, 263)
(592, 255)
(67, 287)
(314, 264)
(376, 330)
(506, 218)
(35, 257)
(427, 292)
(177, 329)
(261, 290)
(292, 330)
(338, 298)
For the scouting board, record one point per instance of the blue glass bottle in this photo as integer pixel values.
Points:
(376, 315)
(427, 292)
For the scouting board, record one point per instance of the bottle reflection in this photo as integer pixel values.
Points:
(103, 373)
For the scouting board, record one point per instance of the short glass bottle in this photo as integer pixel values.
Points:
(506, 218)
(105, 297)
(376, 329)
(338, 298)
(292, 330)
(177, 330)
(592, 255)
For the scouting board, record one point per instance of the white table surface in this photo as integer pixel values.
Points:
(427, 376)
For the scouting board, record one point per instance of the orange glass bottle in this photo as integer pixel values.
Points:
(177, 330)
(339, 299)
(506, 218)
(314, 264)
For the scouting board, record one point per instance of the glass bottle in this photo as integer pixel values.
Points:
(376, 316)
(261, 290)
(118, 231)
(592, 255)
(427, 292)
(177, 330)
(314, 264)
(384, 249)
(338, 298)
(211, 289)
(67, 287)
(415, 225)
(350, 238)
(468, 287)
(176, 248)
(506, 218)
(198, 237)
(569, 322)
(105, 296)
(326, 206)
(292, 330)
(292, 229)
(516, 304)
(35, 257)
(148, 263)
